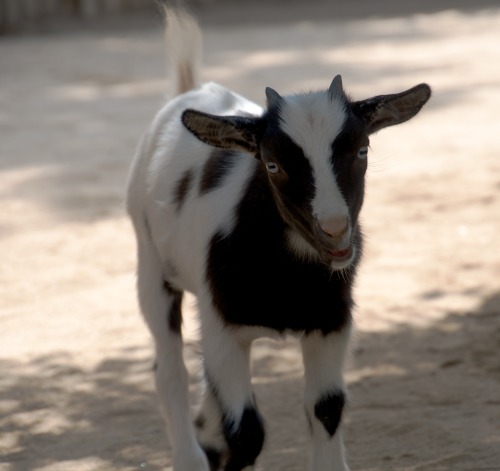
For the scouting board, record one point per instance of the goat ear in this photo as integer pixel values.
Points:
(273, 97)
(225, 132)
(387, 110)
(336, 87)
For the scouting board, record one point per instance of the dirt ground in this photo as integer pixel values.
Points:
(76, 388)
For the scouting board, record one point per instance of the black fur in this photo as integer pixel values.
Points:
(182, 188)
(216, 169)
(252, 260)
(293, 186)
(214, 458)
(349, 170)
(175, 314)
(245, 439)
(199, 422)
(328, 410)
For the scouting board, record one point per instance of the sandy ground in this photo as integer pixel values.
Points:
(76, 389)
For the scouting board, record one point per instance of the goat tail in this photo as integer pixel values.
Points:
(184, 43)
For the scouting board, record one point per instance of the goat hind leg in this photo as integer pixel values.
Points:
(160, 305)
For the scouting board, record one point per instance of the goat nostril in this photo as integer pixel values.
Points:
(334, 226)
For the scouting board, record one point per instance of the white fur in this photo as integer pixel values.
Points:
(313, 121)
(170, 151)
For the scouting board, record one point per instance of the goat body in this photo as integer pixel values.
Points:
(255, 211)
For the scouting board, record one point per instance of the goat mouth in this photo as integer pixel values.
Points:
(340, 255)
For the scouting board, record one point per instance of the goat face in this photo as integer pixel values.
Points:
(314, 148)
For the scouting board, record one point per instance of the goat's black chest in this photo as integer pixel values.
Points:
(255, 282)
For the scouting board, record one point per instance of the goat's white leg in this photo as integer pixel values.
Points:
(227, 373)
(325, 396)
(160, 305)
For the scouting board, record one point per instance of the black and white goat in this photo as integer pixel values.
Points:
(255, 211)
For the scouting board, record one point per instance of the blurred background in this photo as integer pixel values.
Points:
(80, 81)
(18, 15)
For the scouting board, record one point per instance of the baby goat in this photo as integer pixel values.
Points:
(255, 211)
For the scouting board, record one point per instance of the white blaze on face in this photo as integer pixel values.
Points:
(313, 121)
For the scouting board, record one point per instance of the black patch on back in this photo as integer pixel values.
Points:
(175, 314)
(328, 410)
(182, 188)
(216, 169)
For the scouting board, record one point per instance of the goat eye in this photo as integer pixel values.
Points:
(272, 167)
(363, 153)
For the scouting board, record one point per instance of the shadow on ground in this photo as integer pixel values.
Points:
(52, 411)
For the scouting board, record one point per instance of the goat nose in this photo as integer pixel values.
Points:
(334, 226)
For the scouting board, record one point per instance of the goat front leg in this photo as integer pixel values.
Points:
(325, 396)
(227, 374)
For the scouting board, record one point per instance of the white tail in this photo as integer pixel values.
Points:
(184, 42)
